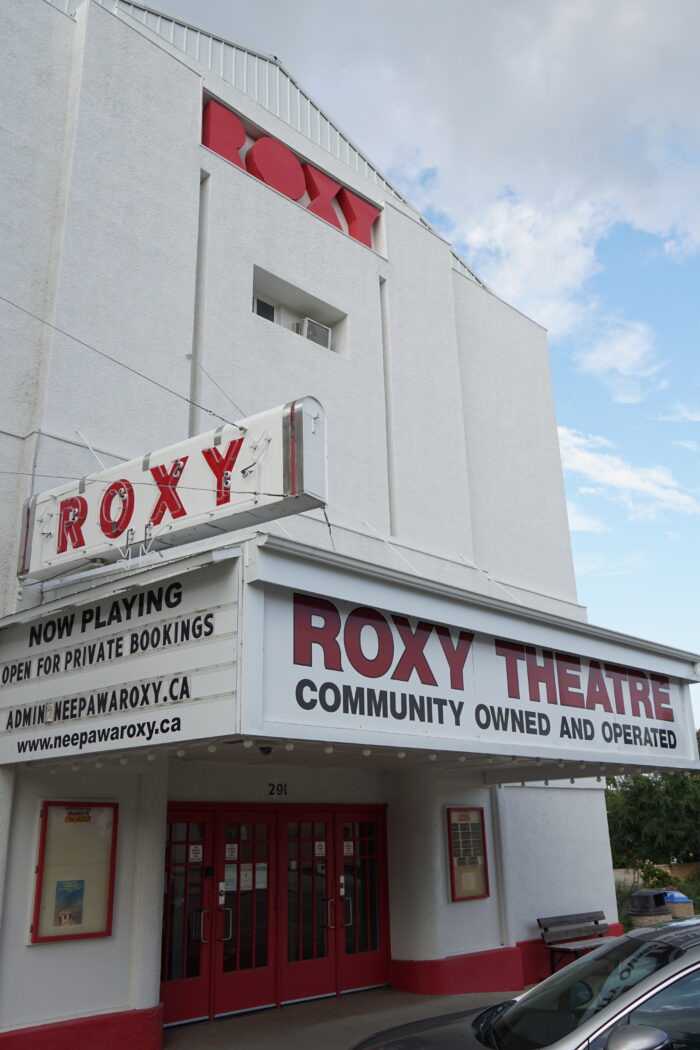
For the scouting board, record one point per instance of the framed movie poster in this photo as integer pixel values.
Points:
(74, 892)
(469, 877)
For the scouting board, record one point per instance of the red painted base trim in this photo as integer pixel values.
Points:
(135, 1029)
(498, 970)
(493, 971)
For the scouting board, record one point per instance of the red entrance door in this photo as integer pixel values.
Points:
(187, 916)
(270, 905)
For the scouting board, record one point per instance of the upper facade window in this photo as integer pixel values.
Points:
(292, 308)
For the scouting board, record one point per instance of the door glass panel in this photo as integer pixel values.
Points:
(183, 917)
(245, 912)
(307, 891)
(361, 904)
(174, 924)
(194, 912)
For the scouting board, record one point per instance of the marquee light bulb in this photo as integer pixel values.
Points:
(181, 752)
(400, 754)
(328, 749)
(211, 748)
(247, 743)
(366, 751)
(289, 746)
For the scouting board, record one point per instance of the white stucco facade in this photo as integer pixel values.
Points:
(133, 259)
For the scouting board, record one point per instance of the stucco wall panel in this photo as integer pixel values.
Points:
(517, 492)
(105, 963)
(425, 924)
(259, 363)
(127, 271)
(557, 857)
(431, 491)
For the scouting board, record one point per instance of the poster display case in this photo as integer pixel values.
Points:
(466, 844)
(74, 891)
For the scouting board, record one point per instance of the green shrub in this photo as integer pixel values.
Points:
(653, 878)
(623, 892)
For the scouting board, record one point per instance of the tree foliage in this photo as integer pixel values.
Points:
(654, 817)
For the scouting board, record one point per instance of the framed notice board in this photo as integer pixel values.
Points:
(466, 844)
(74, 892)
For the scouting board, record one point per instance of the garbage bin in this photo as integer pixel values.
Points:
(680, 905)
(649, 907)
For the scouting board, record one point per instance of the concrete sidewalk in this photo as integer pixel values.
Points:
(336, 1023)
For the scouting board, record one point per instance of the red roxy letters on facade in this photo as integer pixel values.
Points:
(277, 166)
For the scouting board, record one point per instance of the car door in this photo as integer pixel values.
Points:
(674, 1008)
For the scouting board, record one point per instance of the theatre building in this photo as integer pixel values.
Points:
(296, 695)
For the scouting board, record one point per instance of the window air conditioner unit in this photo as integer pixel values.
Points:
(315, 331)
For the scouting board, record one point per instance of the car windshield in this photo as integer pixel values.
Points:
(566, 1000)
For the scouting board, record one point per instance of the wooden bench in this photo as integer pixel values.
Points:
(572, 934)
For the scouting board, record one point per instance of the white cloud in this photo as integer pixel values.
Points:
(538, 259)
(681, 414)
(579, 521)
(643, 491)
(600, 566)
(624, 358)
(692, 446)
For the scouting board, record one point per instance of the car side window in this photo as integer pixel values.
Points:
(676, 1010)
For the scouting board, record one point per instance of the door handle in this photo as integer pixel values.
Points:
(348, 911)
(229, 935)
(201, 925)
(329, 924)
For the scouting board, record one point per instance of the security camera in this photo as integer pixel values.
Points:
(266, 750)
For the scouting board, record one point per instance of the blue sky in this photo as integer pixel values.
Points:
(556, 143)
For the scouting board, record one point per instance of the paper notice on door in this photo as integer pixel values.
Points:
(230, 878)
(246, 877)
(196, 852)
(319, 849)
(231, 851)
(261, 876)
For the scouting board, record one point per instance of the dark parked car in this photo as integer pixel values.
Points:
(640, 991)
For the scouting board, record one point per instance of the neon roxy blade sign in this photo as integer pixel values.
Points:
(267, 466)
